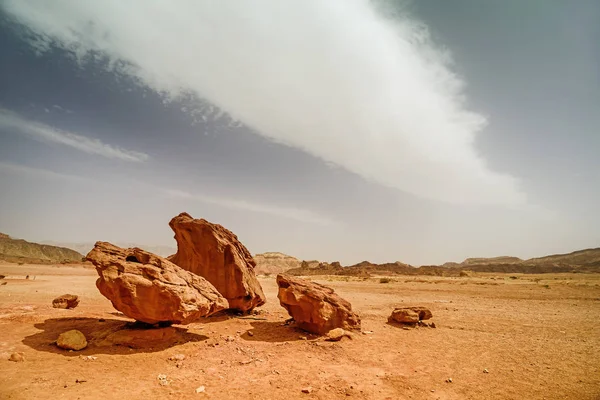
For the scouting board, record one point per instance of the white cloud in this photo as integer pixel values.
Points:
(333, 78)
(11, 120)
(296, 214)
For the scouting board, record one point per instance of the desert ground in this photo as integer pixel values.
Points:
(498, 336)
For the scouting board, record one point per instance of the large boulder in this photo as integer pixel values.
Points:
(151, 289)
(315, 308)
(215, 253)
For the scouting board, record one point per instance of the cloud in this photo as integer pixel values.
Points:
(38, 172)
(337, 79)
(11, 120)
(296, 214)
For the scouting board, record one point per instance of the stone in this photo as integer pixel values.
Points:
(335, 335)
(72, 340)
(405, 316)
(215, 253)
(410, 315)
(200, 389)
(177, 357)
(16, 357)
(315, 308)
(66, 301)
(163, 380)
(151, 289)
(307, 389)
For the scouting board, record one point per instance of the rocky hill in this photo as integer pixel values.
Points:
(366, 269)
(587, 257)
(578, 261)
(492, 260)
(19, 250)
(274, 263)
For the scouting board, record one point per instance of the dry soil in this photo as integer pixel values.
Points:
(497, 337)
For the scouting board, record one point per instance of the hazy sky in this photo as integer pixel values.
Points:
(348, 130)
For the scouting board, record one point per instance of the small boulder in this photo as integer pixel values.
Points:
(335, 335)
(16, 357)
(315, 308)
(72, 340)
(410, 315)
(66, 301)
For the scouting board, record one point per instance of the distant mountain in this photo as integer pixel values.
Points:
(492, 260)
(581, 257)
(84, 248)
(19, 250)
(274, 263)
(577, 261)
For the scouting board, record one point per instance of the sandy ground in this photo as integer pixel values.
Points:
(538, 336)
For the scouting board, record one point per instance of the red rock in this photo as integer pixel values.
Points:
(410, 315)
(66, 301)
(150, 288)
(215, 253)
(315, 308)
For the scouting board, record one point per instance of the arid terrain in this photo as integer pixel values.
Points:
(498, 336)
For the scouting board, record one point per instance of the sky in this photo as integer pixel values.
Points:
(416, 131)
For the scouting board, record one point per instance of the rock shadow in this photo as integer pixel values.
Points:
(275, 331)
(108, 336)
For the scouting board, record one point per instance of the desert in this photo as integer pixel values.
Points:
(313, 200)
(493, 336)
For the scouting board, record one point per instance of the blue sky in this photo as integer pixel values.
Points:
(421, 131)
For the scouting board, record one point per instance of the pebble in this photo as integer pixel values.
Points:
(162, 380)
(16, 357)
(449, 380)
(307, 389)
(200, 389)
(485, 371)
(177, 357)
(250, 333)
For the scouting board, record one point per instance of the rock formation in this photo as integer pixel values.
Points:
(274, 263)
(152, 289)
(314, 307)
(410, 315)
(66, 301)
(215, 253)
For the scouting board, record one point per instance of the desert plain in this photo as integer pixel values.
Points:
(497, 336)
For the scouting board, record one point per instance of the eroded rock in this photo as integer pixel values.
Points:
(151, 289)
(315, 308)
(410, 315)
(66, 301)
(72, 340)
(335, 335)
(17, 357)
(213, 252)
